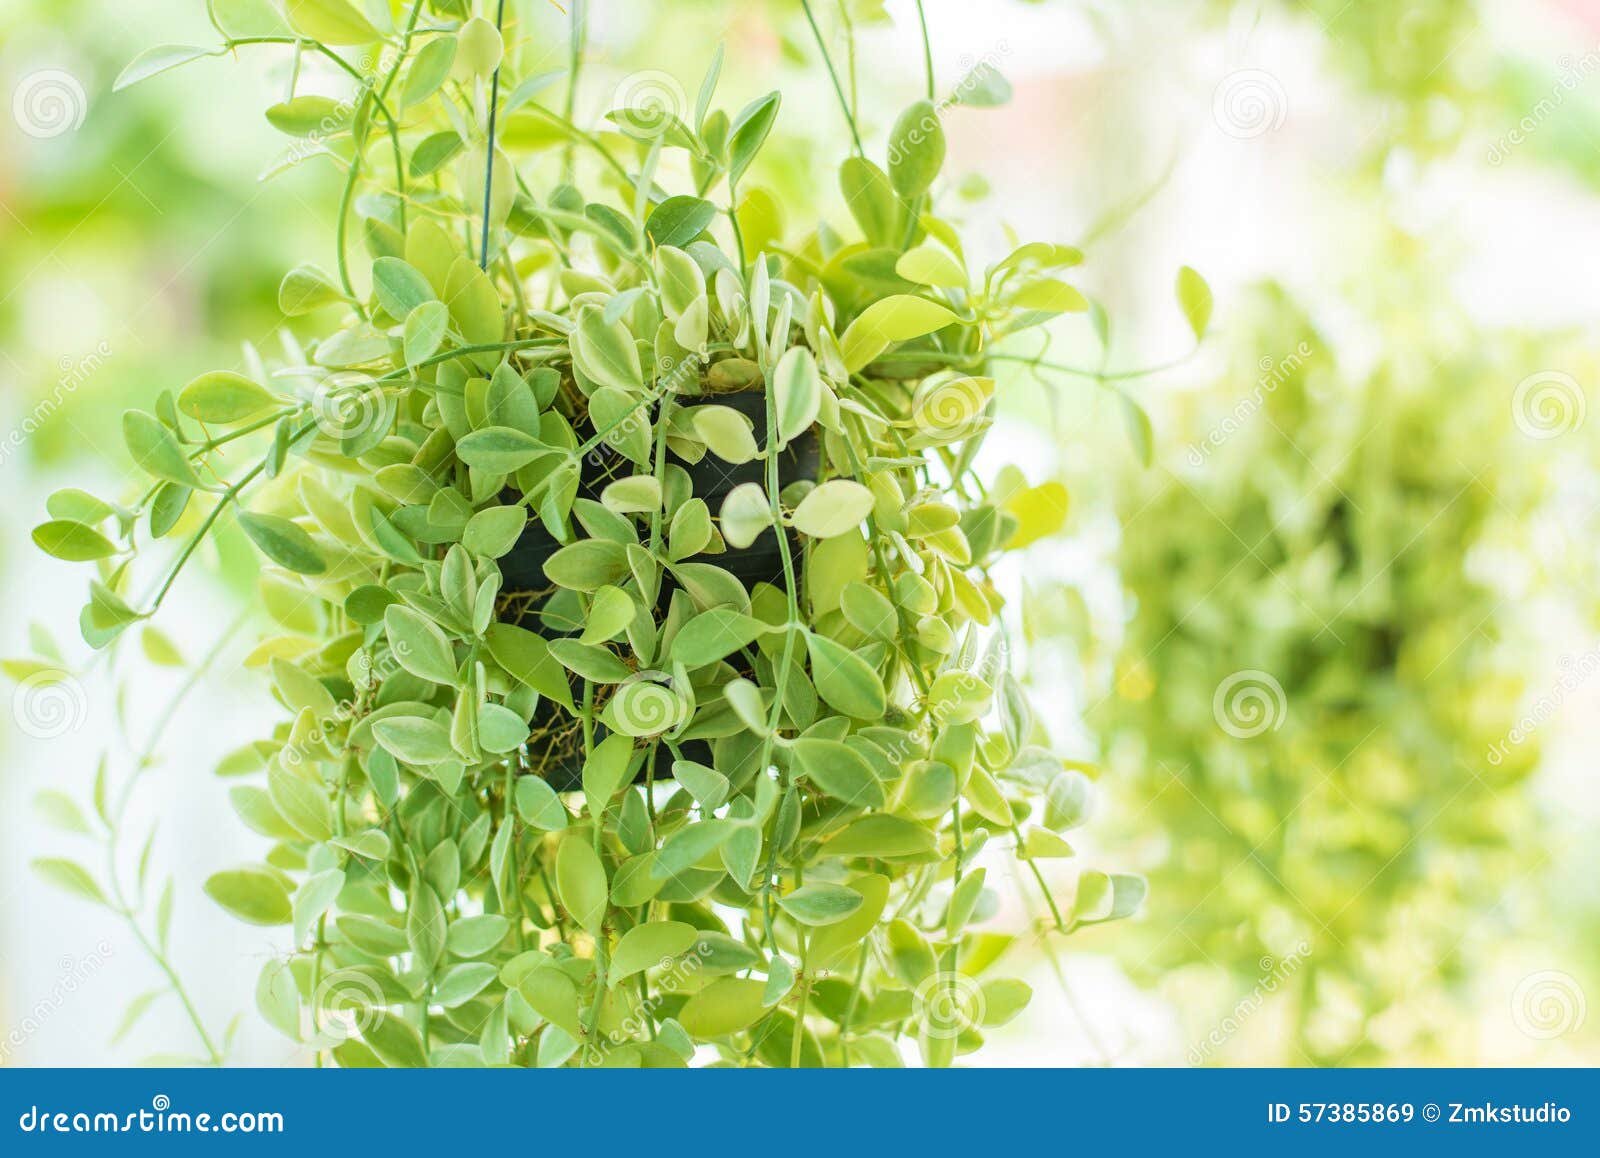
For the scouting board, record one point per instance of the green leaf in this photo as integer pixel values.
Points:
(871, 200)
(537, 804)
(283, 542)
(72, 542)
(745, 514)
(587, 565)
(581, 882)
(334, 22)
(882, 835)
(60, 811)
(898, 318)
(399, 287)
(221, 398)
(424, 331)
(688, 846)
(391, 1037)
(821, 904)
(726, 1006)
(526, 657)
(494, 531)
(500, 730)
(429, 70)
(709, 787)
(604, 772)
(749, 132)
(679, 220)
(72, 877)
(713, 634)
(425, 926)
(414, 740)
(930, 265)
(644, 946)
(1194, 296)
(605, 352)
(835, 508)
(78, 506)
(1048, 295)
(155, 449)
(612, 610)
(725, 431)
(636, 494)
(798, 389)
(418, 645)
(305, 288)
(840, 771)
(308, 115)
(500, 450)
(156, 60)
(256, 895)
(916, 149)
(475, 936)
(1137, 422)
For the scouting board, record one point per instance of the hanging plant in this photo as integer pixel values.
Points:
(645, 693)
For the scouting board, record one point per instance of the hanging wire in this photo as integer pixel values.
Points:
(488, 165)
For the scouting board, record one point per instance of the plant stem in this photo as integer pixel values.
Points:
(927, 48)
(833, 75)
(575, 43)
(489, 147)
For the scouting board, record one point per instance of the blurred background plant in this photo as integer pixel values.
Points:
(1450, 146)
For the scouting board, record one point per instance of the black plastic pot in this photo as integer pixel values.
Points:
(522, 568)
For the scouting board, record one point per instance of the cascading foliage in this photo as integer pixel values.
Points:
(1319, 693)
(643, 809)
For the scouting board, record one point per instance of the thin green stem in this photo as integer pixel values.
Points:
(833, 75)
(927, 49)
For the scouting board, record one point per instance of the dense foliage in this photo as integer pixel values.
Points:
(642, 676)
(1318, 698)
